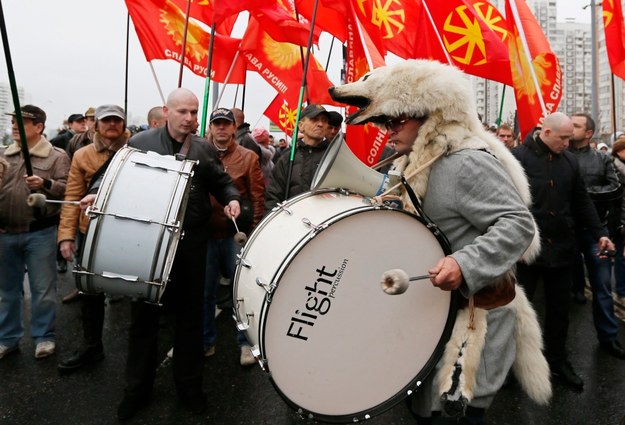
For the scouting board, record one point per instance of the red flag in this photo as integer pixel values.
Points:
(614, 36)
(365, 141)
(469, 34)
(536, 73)
(280, 64)
(160, 25)
(223, 9)
(283, 113)
(280, 23)
(327, 19)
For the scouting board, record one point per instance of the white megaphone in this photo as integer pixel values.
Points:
(341, 169)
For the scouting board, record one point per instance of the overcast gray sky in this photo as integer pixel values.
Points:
(70, 54)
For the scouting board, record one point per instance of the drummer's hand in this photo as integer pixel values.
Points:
(67, 249)
(34, 182)
(446, 275)
(87, 201)
(233, 209)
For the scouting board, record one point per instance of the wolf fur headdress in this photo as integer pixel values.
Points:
(442, 97)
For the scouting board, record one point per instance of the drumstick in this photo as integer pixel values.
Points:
(240, 238)
(39, 200)
(395, 282)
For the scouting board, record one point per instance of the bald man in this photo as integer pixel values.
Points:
(185, 292)
(559, 200)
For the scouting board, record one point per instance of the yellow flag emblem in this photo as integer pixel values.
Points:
(463, 38)
(388, 15)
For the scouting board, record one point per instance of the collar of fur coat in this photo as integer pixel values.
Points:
(42, 149)
(101, 145)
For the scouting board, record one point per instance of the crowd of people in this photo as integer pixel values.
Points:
(577, 208)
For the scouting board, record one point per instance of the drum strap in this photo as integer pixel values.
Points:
(184, 150)
(429, 223)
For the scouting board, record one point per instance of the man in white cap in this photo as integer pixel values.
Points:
(88, 164)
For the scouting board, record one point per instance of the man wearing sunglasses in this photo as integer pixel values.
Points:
(474, 190)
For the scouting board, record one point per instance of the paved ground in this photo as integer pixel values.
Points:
(32, 391)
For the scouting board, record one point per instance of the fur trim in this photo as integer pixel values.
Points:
(441, 94)
(530, 366)
(461, 360)
(42, 149)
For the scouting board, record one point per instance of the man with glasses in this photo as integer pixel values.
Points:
(310, 148)
(28, 234)
(110, 135)
(472, 188)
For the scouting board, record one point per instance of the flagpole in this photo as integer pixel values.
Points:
(158, 85)
(521, 30)
(15, 95)
(613, 105)
(301, 100)
(208, 80)
(234, 61)
(330, 54)
(126, 73)
(184, 42)
(503, 96)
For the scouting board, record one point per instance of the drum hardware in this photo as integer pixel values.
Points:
(269, 288)
(142, 220)
(240, 325)
(283, 206)
(239, 238)
(39, 200)
(243, 262)
(160, 167)
(314, 227)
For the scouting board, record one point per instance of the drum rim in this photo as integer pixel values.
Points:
(414, 383)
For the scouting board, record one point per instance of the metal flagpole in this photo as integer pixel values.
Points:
(16, 100)
(184, 42)
(301, 100)
(209, 68)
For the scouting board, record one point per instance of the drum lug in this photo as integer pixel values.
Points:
(314, 227)
(243, 326)
(268, 287)
(262, 362)
(243, 262)
(283, 206)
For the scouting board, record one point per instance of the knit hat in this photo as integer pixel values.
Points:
(261, 135)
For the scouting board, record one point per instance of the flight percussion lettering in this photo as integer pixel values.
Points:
(318, 301)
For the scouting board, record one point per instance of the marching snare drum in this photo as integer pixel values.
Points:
(135, 224)
(308, 296)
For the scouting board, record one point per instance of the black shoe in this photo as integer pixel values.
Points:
(565, 373)
(130, 405)
(579, 297)
(195, 402)
(613, 348)
(80, 358)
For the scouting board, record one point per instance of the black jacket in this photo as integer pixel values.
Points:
(307, 159)
(209, 176)
(560, 202)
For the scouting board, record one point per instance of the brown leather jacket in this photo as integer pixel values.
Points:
(242, 165)
(85, 163)
(48, 162)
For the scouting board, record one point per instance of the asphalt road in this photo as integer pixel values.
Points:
(33, 392)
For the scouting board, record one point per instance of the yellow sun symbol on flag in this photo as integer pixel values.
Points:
(492, 18)
(465, 38)
(287, 117)
(388, 15)
(608, 14)
(281, 55)
(197, 40)
(521, 74)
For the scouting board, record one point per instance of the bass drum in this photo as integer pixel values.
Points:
(135, 224)
(308, 296)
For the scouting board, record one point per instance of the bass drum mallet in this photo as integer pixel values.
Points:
(39, 200)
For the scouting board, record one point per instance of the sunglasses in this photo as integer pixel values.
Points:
(395, 124)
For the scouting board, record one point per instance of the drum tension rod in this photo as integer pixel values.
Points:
(316, 228)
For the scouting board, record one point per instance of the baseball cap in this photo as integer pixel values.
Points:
(75, 117)
(104, 111)
(90, 112)
(222, 114)
(32, 112)
(313, 110)
(335, 119)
